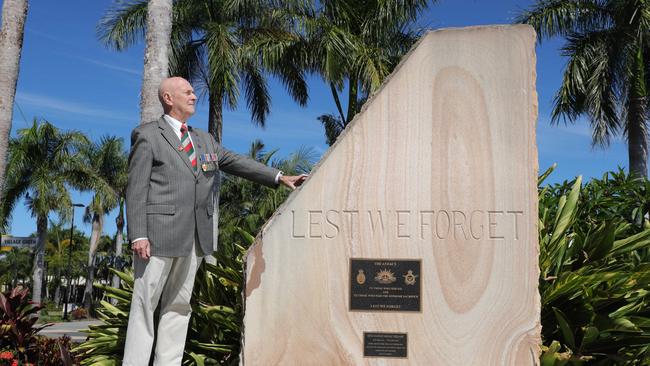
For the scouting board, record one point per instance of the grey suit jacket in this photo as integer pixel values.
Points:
(166, 200)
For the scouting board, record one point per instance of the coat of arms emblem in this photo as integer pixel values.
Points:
(361, 277)
(385, 277)
(409, 278)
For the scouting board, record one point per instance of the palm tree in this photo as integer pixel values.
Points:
(59, 254)
(14, 13)
(608, 73)
(56, 250)
(108, 162)
(43, 163)
(223, 47)
(15, 267)
(357, 43)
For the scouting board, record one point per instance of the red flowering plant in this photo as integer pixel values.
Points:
(8, 358)
(18, 332)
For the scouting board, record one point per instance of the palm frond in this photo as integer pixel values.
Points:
(123, 25)
(222, 53)
(39, 158)
(299, 162)
(588, 85)
(257, 94)
(333, 127)
(561, 17)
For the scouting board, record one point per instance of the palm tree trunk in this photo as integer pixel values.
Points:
(119, 241)
(637, 137)
(156, 57)
(215, 127)
(45, 280)
(352, 99)
(337, 101)
(215, 116)
(57, 292)
(14, 13)
(39, 254)
(97, 225)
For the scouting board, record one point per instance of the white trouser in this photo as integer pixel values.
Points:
(173, 278)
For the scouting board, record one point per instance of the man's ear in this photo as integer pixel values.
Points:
(167, 97)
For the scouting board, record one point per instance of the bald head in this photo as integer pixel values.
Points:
(177, 98)
(167, 87)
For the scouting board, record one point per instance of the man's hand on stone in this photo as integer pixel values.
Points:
(142, 248)
(292, 181)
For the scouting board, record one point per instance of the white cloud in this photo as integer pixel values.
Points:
(74, 55)
(48, 36)
(51, 103)
(112, 67)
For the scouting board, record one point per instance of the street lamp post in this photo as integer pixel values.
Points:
(66, 296)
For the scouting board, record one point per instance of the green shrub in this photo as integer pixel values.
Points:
(53, 352)
(595, 271)
(105, 343)
(79, 313)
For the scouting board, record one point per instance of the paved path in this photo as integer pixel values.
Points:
(71, 329)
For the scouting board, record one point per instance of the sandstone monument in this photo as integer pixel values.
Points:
(414, 241)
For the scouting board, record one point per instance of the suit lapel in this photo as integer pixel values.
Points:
(174, 142)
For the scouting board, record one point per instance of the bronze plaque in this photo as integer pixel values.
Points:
(385, 284)
(385, 345)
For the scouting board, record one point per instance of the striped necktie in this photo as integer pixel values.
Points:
(187, 146)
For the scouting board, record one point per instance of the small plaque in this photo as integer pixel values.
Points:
(385, 345)
(385, 285)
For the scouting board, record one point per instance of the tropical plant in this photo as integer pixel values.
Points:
(16, 266)
(14, 13)
(214, 335)
(17, 323)
(222, 47)
(105, 343)
(55, 255)
(357, 43)
(607, 76)
(18, 334)
(595, 271)
(54, 351)
(108, 258)
(74, 259)
(61, 258)
(108, 162)
(43, 163)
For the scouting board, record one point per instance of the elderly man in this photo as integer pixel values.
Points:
(172, 168)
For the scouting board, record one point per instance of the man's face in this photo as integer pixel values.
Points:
(183, 99)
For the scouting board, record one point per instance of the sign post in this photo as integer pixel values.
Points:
(8, 242)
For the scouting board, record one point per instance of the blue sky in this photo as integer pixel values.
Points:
(70, 79)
